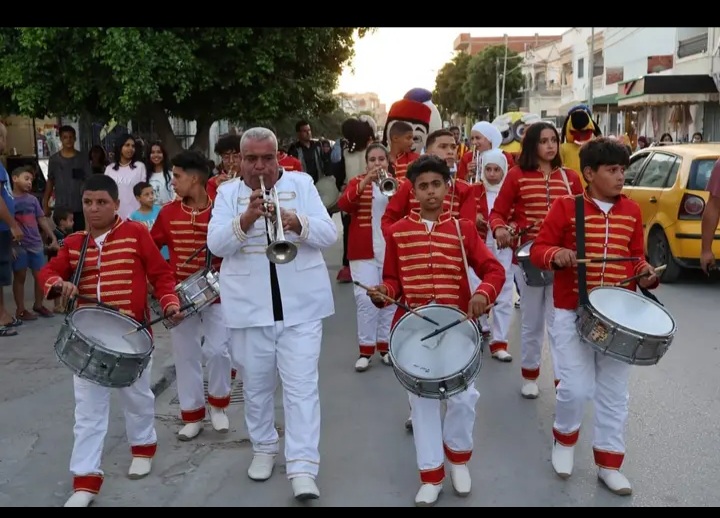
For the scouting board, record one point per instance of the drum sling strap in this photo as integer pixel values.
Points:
(580, 249)
(75, 279)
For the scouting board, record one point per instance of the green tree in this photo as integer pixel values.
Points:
(448, 95)
(195, 73)
(482, 72)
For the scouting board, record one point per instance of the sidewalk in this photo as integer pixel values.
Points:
(28, 361)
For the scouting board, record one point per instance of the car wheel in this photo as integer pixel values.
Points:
(659, 253)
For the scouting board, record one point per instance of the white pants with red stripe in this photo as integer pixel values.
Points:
(189, 355)
(437, 438)
(92, 412)
(293, 352)
(586, 375)
(536, 316)
(373, 323)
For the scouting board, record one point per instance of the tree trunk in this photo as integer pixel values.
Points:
(201, 142)
(162, 125)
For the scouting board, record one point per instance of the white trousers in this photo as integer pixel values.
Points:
(294, 352)
(517, 277)
(92, 412)
(437, 438)
(586, 375)
(188, 355)
(373, 323)
(536, 315)
(502, 311)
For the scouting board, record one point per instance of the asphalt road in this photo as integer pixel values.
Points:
(367, 457)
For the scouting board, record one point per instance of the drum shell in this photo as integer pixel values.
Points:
(200, 289)
(437, 388)
(620, 342)
(93, 362)
(534, 276)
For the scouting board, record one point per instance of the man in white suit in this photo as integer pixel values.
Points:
(275, 311)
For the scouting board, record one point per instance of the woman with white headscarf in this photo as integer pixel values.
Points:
(483, 137)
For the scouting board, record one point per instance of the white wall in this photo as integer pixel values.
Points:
(629, 47)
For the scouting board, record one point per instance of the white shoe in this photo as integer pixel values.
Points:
(563, 459)
(409, 425)
(80, 499)
(304, 488)
(362, 364)
(261, 467)
(190, 431)
(428, 495)
(502, 355)
(139, 468)
(615, 481)
(530, 390)
(219, 420)
(386, 359)
(460, 478)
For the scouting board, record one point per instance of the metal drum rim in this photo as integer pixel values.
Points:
(86, 339)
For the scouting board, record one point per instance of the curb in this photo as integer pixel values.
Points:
(166, 379)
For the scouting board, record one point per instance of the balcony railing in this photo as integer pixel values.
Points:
(566, 90)
(691, 46)
(598, 82)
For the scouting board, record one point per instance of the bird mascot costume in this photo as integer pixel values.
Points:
(579, 127)
(418, 110)
(512, 128)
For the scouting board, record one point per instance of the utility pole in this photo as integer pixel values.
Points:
(591, 66)
(497, 87)
(502, 95)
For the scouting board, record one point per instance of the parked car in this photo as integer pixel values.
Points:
(670, 184)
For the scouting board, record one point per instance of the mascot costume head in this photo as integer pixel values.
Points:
(512, 128)
(418, 110)
(579, 127)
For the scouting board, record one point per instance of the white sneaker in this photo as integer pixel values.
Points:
(139, 468)
(304, 488)
(261, 467)
(563, 459)
(409, 424)
(190, 431)
(386, 359)
(362, 364)
(219, 420)
(615, 481)
(502, 355)
(460, 478)
(80, 499)
(428, 495)
(530, 390)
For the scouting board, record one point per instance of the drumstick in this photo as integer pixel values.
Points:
(398, 304)
(96, 301)
(156, 320)
(640, 276)
(194, 254)
(606, 260)
(451, 325)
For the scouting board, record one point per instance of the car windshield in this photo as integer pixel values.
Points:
(700, 173)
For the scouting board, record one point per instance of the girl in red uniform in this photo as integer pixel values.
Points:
(529, 190)
(483, 137)
(365, 204)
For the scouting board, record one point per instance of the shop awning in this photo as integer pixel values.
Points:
(656, 90)
(606, 100)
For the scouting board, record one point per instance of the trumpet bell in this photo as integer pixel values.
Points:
(281, 252)
(389, 186)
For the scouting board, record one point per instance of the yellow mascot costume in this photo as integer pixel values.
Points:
(512, 128)
(579, 127)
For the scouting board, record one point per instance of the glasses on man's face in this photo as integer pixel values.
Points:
(230, 157)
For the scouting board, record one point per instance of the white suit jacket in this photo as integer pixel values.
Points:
(245, 273)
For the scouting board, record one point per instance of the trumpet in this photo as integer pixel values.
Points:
(387, 183)
(280, 250)
(478, 166)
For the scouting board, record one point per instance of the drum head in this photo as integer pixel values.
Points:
(105, 328)
(632, 311)
(439, 357)
(524, 250)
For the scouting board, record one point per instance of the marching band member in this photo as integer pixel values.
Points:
(494, 168)
(614, 225)
(366, 204)
(529, 190)
(182, 226)
(483, 137)
(288, 162)
(430, 235)
(121, 259)
(401, 140)
(228, 149)
(279, 328)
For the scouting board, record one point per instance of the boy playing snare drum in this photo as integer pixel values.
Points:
(424, 264)
(613, 226)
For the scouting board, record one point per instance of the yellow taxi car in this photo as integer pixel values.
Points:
(669, 183)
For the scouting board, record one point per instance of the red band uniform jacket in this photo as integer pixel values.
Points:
(359, 205)
(422, 267)
(618, 233)
(129, 259)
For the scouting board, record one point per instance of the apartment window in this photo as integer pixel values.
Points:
(543, 113)
(581, 68)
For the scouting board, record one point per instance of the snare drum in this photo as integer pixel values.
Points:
(442, 365)
(92, 345)
(199, 290)
(533, 275)
(626, 326)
